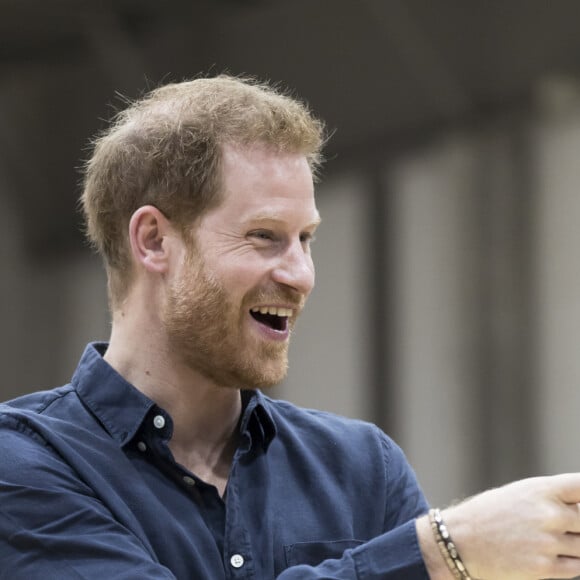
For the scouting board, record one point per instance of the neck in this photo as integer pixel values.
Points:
(205, 415)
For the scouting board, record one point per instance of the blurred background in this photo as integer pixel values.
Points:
(447, 307)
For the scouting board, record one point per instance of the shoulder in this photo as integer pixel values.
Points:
(41, 418)
(355, 458)
(310, 418)
(38, 407)
(324, 431)
(37, 402)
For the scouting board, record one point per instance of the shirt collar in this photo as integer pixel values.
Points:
(122, 408)
(256, 419)
(118, 405)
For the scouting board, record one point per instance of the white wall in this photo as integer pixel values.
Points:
(435, 364)
(557, 173)
(13, 292)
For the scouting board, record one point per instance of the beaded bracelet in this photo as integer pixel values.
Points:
(446, 546)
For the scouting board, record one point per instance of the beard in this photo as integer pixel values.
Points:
(210, 334)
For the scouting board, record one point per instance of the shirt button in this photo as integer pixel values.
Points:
(188, 480)
(142, 446)
(159, 421)
(237, 560)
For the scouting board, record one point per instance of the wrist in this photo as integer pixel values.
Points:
(447, 546)
(432, 557)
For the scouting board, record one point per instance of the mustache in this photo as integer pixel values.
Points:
(279, 294)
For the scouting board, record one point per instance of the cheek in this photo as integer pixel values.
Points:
(241, 277)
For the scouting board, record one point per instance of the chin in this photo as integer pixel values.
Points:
(267, 380)
(258, 374)
(267, 375)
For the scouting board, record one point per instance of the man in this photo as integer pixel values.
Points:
(162, 458)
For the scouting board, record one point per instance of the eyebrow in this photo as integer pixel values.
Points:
(275, 217)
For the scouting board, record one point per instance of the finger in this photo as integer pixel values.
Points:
(565, 567)
(569, 546)
(569, 520)
(567, 487)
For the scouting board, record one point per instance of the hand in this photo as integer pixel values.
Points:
(526, 530)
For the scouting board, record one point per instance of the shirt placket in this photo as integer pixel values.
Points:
(238, 558)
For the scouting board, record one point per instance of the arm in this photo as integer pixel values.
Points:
(526, 530)
(393, 555)
(522, 531)
(53, 526)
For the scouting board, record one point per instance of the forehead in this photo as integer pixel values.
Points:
(260, 182)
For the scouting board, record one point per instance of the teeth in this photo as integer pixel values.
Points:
(273, 310)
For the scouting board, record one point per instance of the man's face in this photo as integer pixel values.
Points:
(232, 306)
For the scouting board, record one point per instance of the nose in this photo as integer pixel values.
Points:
(295, 269)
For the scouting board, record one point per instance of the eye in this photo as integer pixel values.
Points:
(306, 238)
(262, 235)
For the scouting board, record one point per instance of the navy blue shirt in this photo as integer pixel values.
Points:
(89, 489)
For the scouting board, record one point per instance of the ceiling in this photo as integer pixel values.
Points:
(373, 69)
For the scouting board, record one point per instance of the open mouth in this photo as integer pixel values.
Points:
(272, 316)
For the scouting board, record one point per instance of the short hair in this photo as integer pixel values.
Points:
(166, 150)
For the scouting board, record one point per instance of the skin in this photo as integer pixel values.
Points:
(253, 251)
(525, 530)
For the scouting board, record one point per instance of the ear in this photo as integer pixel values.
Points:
(148, 232)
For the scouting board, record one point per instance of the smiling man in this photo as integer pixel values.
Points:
(163, 458)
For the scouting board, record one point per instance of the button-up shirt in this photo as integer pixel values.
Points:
(89, 489)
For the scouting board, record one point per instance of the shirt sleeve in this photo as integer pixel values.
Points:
(405, 499)
(53, 526)
(393, 555)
